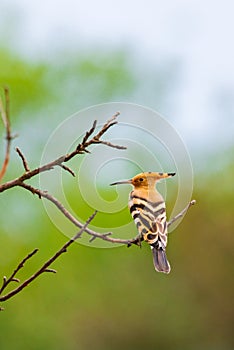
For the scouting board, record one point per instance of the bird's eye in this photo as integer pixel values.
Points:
(141, 179)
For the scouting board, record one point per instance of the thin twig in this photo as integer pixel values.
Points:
(107, 143)
(12, 278)
(80, 149)
(89, 132)
(112, 121)
(25, 163)
(71, 218)
(4, 111)
(68, 169)
(44, 267)
(94, 234)
(182, 213)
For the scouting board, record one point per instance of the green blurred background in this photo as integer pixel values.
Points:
(112, 298)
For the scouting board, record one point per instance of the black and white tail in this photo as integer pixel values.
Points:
(161, 263)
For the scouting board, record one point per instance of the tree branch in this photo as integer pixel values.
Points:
(42, 269)
(71, 218)
(182, 213)
(5, 115)
(104, 236)
(12, 278)
(24, 161)
(63, 249)
(80, 149)
(20, 181)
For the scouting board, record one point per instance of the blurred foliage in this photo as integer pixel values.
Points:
(26, 82)
(113, 298)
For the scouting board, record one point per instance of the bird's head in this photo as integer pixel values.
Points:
(144, 179)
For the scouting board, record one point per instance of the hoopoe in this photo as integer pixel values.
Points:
(148, 211)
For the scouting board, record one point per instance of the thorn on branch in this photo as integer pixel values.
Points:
(14, 279)
(68, 169)
(25, 163)
(107, 234)
(103, 235)
(50, 270)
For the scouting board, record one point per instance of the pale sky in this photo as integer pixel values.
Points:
(198, 32)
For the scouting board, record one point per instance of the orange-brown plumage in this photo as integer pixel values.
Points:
(148, 210)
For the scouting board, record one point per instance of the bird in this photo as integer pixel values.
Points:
(148, 210)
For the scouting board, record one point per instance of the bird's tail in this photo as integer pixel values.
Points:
(161, 263)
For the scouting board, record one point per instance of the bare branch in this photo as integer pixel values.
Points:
(89, 132)
(107, 125)
(28, 174)
(50, 270)
(25, 163)
(107, 143)
(71, 218)
(80, 149)
(68, 169)
(182, 213)
(44, 267)
(12, 278)
(4, 111)
(59, 162)
(94, 234)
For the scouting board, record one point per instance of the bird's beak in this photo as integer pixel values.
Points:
(122, 182)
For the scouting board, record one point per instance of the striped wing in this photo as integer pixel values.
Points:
(150, 219)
